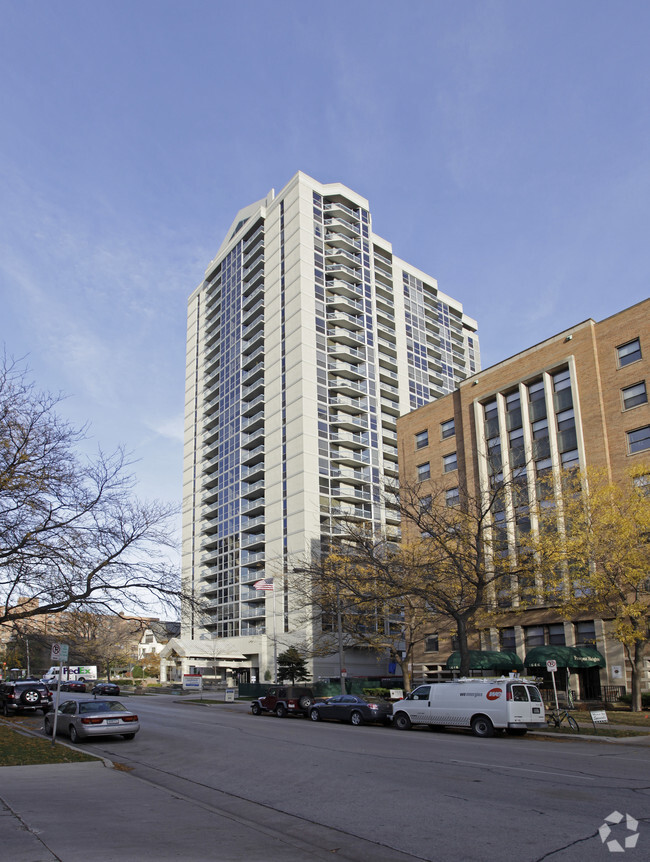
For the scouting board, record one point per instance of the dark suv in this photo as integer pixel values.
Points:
(24, 695)
(284, 700)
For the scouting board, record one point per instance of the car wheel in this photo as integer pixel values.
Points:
(256, 709)
(305, 702)
(281, 710)
(356, 718)
(402, 721)
(74, 736)
(30, 696)
(128, 735)
(48, 728)
(314, 715)
(482, 726)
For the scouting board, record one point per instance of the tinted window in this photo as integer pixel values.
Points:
(102, 706)
(519, 692)
(534, 694)
(421, 693)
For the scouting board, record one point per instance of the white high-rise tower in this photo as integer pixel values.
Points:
(306, 340)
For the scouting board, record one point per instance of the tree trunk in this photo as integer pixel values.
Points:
(637, 662)
(462, 646)
(406, 676)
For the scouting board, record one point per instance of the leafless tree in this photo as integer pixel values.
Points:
(72, 533)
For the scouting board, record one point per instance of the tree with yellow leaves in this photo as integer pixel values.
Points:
(595, 542)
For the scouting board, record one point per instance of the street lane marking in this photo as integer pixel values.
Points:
(523, 769)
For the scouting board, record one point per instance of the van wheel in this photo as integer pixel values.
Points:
(402, 721)
(482, 726)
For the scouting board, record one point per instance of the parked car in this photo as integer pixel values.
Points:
(353, 708)
(73, 685)
(284, 700)
(24, 696)
(81, 719)
(105, 688)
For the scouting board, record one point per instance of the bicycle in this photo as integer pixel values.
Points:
(556, 717)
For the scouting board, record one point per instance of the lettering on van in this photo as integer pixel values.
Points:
(494, 693)
(470, 694)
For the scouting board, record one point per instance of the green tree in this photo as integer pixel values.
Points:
(292, 665)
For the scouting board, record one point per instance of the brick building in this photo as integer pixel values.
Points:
(576, 399)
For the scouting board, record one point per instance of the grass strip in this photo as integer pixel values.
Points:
(21, 749)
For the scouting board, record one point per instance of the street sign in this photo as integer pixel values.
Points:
(551, 666)
(59, 652)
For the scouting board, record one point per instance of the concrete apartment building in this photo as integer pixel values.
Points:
(578, 398)
(306, 339)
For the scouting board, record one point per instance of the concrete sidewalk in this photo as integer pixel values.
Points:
(80, 811)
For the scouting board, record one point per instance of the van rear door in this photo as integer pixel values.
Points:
(524, 705)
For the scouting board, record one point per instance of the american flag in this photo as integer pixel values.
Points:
(263, 585)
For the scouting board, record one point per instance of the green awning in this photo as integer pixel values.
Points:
(573, 658)
(487, 660)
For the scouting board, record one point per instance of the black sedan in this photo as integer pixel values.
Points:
(106, 688)
(73, 685)
(350, 707)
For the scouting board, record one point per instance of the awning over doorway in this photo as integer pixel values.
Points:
(487, 660)
(573, 658)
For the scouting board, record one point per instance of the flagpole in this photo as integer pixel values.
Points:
(275, 642)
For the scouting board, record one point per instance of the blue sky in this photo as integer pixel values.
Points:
(503, 146)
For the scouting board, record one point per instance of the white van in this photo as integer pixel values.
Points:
(513, 704)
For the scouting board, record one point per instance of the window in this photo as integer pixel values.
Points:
(585, 633)
(634, 395)
(424, 471)
(425, 503)
(534, 636)
(431, 644)
(507, 639)
(452, 497)
(642, 484)
(629, 352)
(448, 429)
(449, 463)
(639, 440)
(421, 439)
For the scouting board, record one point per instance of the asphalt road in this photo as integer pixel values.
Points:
(431, 796)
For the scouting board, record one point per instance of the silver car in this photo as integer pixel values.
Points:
(80, 719)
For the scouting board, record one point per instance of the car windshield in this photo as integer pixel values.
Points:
(102, 706)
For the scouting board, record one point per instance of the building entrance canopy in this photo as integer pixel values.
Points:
(503, 662)
(573, 658)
